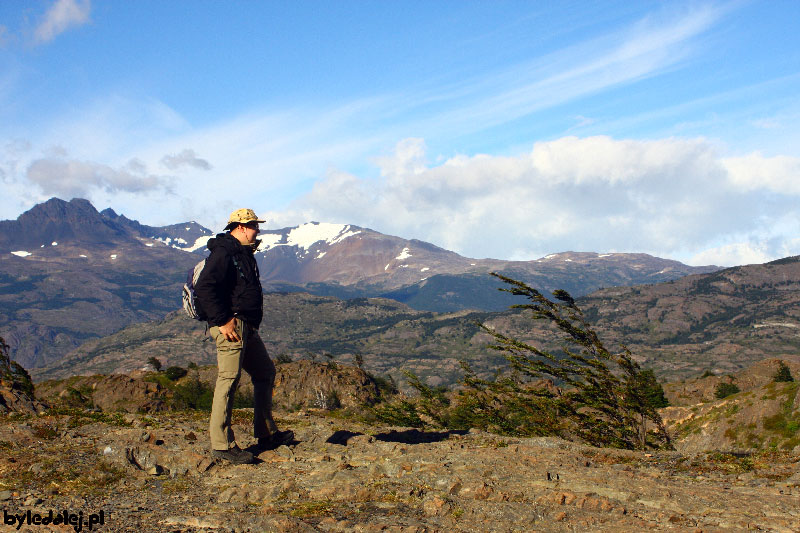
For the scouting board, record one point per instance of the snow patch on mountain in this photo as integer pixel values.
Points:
(21, 253)
(180, 243)
(405, 254)
(269, 240)
(200, 243)
(307, 235)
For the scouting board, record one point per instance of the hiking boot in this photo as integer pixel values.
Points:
(279, 438)
(234, 455)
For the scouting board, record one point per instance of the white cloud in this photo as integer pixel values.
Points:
(740, 253)
(779, 174)
(669, 197)
(72, 178)
(62, 15)
(188, 158)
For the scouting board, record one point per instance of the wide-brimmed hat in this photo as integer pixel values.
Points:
(243, 216)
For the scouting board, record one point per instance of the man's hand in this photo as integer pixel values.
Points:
(229, 330)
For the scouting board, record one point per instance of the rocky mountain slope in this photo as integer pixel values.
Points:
(389, 336)
(722, 322)
(763, 415)
(69, 273)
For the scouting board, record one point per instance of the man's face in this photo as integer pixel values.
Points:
(247, 233)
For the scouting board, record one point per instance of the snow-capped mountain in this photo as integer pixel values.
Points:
(345, 254)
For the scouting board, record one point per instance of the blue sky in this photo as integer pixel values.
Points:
(495, 129)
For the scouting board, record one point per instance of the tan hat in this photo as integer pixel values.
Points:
(243, 216)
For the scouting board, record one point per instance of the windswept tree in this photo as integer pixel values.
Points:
(606, 399)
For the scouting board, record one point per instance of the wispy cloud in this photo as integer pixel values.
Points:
(187, 158)
(62, 15)
(651, 47)
(71, 178)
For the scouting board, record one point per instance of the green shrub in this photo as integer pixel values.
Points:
(174, 373)
(783, 374)
(193, 394)
(725, 389)
(80, 398)
(399, 413)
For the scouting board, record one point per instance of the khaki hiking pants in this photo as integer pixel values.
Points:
(251, 355)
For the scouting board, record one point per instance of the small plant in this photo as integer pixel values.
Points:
(399, 413)
(359, 360)
(155, 363)
(79, 398)
(725, 389)
(783, 375)
(707, 374)
(283, 358)
(45, 432)
(327, 400)
(174, 373)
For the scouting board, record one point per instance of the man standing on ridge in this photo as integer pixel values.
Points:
(230, 295)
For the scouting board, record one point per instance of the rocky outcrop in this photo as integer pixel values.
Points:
(763, 415)
(299, 384)
(118, 392)
(16, 387)
(310, 384)
(700, 390)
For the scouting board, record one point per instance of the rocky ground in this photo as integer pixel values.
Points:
(153, 473)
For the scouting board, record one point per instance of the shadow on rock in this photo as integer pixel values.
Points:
(341, 437)
(415, 436)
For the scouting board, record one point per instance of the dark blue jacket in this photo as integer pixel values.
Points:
(229, 284)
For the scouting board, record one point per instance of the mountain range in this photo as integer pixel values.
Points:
(717, 324)
(70, 273)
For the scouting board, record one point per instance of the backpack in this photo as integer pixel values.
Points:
(190, 306)
(189, 297)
